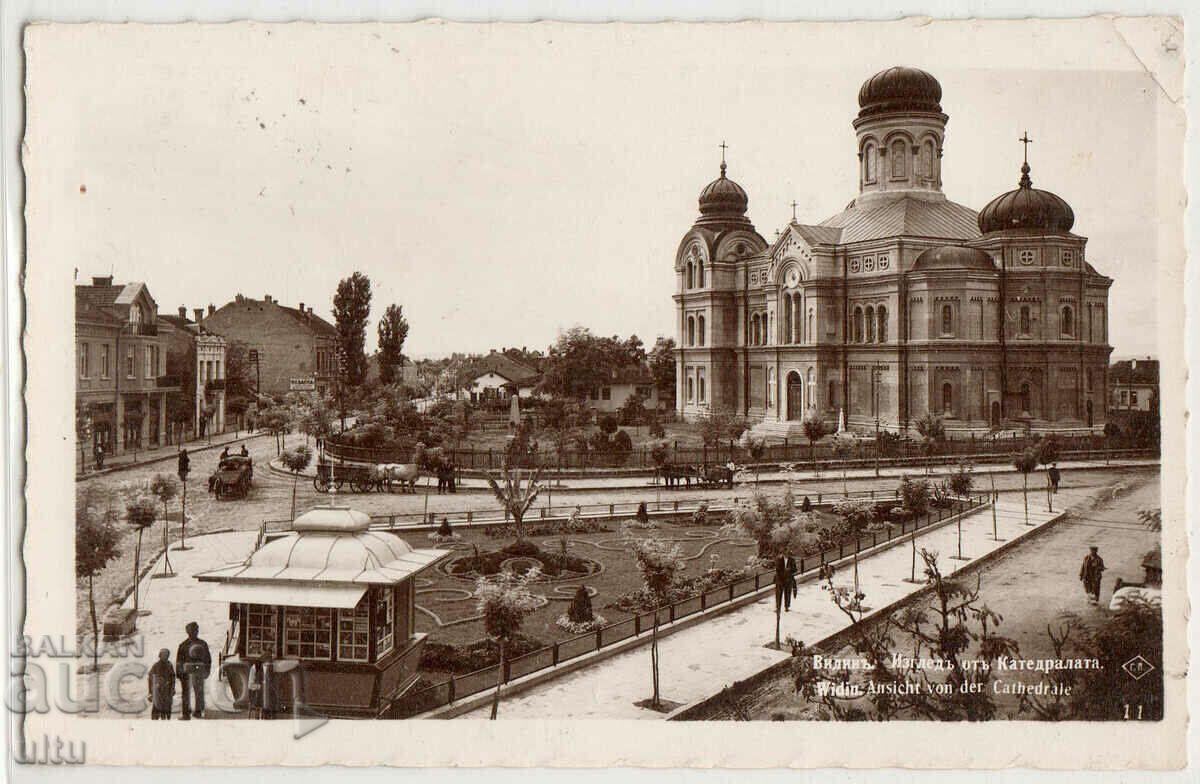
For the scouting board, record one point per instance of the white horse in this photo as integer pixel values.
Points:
(406, 474)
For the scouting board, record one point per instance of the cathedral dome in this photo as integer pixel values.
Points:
(953, 257)
(899, 89)
(723, 196)
(1026, 209)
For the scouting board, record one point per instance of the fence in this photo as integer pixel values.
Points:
(497, 516)
(820, 456)
(461, 686)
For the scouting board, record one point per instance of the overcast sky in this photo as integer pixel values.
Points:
(505, 182)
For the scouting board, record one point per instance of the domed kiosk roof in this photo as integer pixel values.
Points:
(1027, 209)
(954, 257)
(328, 560)
(899, 89)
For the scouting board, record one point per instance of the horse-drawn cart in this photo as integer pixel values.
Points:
(357, 475)
(232, 477)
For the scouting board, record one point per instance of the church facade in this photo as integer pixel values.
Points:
(902, 304)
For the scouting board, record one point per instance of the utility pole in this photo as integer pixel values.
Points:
(876, 382)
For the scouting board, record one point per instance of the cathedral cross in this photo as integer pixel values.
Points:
(723, 147)
(1025, 140)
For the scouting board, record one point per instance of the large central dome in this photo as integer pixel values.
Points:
(723, 196)
(899, 89)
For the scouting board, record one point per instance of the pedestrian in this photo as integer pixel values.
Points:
(98, 454)
(224, 454)
(450, 483)
(1055, 477)
(1089, 573)
(193, 663)
(185, 463)
(785, 581)
(245, 452)
(160, 686)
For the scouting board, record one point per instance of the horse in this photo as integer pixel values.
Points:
(407, 474)
(675, 474)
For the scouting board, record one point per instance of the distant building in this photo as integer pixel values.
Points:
(498, 376)
(296, 349)
(1133, 384)
(193, 338)
(121, 350)
(610, 397)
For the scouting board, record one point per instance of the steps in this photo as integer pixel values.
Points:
(791, 430)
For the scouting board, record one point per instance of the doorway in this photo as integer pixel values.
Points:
(996, 413)
(795, 396)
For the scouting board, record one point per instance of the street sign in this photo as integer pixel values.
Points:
(302, 384)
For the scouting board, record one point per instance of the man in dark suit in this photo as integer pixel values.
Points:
(785, 581)
(193, 663)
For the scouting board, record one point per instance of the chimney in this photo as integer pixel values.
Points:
(102, 280)
(239, 298)
(302, 310)
(1133, 364)
(266, 297)
(182, 312)
(211, 309)
(199, 314)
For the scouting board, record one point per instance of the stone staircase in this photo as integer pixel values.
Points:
(791, 430)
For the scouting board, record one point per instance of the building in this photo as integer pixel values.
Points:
(498, 376)
(903, 303)
(296, 349)
(625, 382)
(192, 341)
(121, 347)
(1133, 385)
(335, 598)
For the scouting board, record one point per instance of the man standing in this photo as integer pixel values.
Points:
(1089, 573)
(194, 663)
(185, 463)
(785, 581)
(98, 454)
(160, 685)
(1055, 476)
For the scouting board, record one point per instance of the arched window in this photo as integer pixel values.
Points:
(1024, 319)
(767, 338)
(691, 331)
(700, 328)
(1068, 321)
(811, 336)
(870, 324)
(700, 388)
(1026, 398)
(947, 320)
(787, 318)
(897, 154)
(699, 275)
(947, 398)
(829, 400)
(869, 162)
(1091, 321)
(858, 325)
(691, 271)
(755, 331)
(690, 390)
(927, 158)
(812, 389)
(882, 315)
(770, 387)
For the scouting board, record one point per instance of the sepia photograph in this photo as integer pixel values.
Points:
(809, 375)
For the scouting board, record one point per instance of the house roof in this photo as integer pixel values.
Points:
(310, 320)
(1123, 372)
(905, 216)
(504, 366)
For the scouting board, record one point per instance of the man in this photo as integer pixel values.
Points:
(245, 452)
(1055, 476)
(194, 663)
(160, 686)
(98, 453)
(224, 454)
(785, 581)
(1089, 573)
(185, 463)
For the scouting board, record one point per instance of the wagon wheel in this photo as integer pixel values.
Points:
(359, 486)
(339, 482)
(321, 483)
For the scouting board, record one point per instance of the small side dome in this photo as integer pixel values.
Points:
(1027, 209)
(899, 89)
(723, 196)
(955, 257)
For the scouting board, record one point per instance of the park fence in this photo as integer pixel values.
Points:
(821, 456)
(460, 687)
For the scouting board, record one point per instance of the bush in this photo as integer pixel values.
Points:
(656, 426)
(622, 442)
(700, 516)
(462, 659)
(522, 548)
(806, 505)
(580, 610)
(915, 495)
(642, 515)
(444, 528)
(608, 424)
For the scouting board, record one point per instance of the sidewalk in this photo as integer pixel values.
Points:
(774, 477)
(115, 463)
(700, 660)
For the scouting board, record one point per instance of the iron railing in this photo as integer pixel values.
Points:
(459, 687)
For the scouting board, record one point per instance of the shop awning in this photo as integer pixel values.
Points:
(293, 594)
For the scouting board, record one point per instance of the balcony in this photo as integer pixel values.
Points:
(167, 382)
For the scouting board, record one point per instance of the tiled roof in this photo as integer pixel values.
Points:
(904, 216)
(1122, 372)
(505, 366)
(310, 320)
(818, 235)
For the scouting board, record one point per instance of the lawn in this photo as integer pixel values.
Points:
(686, 433)
(446, 610)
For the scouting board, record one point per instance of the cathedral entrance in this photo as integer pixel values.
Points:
(795, 396)
(995, 413)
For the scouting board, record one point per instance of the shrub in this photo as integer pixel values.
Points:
(700, 516)
(656, 427)
(915, 495)
(806, 505)
(444, 528)
(642, 515)
(608, 424)
(622, 442)
(580, 610)
(522, 548)
(464, 658)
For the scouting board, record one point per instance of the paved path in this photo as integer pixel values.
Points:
(701, 660)
(117, 463)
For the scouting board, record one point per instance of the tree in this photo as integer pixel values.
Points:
(795, 537)
(351, 309)
(756, 447)
(393, 329)
(578, 363)
(844, 445)
(580, 610)
(504, 600)
(718, 425)
(1047, 454)
(662, 369)
(635, 350)
(139, 513)
(164, 488)
(814, 430)
(961, 480)
(1025, 462)
(96, 540)
(858, 514)
(296, 460)
(276, 420)
(660, 563)
(932, 431)
(633, 411)
(914, 496)
(759, 519)
(515, 499)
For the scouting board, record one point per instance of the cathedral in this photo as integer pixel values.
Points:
(903, 303)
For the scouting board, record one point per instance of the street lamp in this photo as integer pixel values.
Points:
(876, 382)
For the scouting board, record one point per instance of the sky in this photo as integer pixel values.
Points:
(505, 182)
